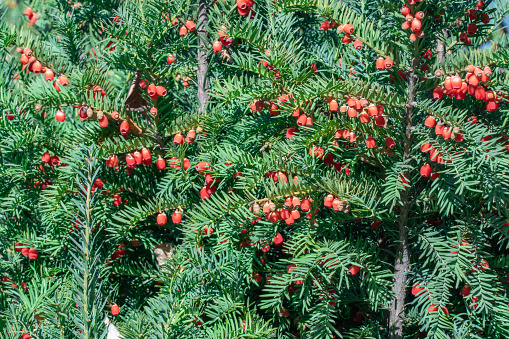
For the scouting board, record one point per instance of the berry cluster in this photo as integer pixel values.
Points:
(475, 15)
(30, 62)
(153, 91)
(413, 21)
(31, 16)
(176, 218)
(289, 212)
(31, 253)
(178, 139)
(457, 88)
(336, 204)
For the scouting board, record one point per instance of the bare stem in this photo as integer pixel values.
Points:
(203, 60)
(402, 262)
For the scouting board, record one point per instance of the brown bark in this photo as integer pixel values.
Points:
(441, 47)
(402, 262)
(203, 60)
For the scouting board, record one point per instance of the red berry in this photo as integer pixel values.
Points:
(190, 25)
(46, 157)
(430, 122)
(432, 309)
(161, 91)
(203, 167)
(353, 270)
(178, 139)
(207, 230)
(162, 219)
(328, 200)
(146, 156)
(278, 239)
(28, 13)
(370, 142)
(426, 170)
(176, 217)
(447, 133)
(124, 128)
(416, 25)
(305, 205)
(23, 59)
(130, 160)
(28, 52)
(291, 132)
(416, 290)
(325, 25)
(60, 116)
(389, 142)
(485, 18)
(103, 122)
(183, 31)
(388, 63)
(348, 29)
(439, 129)
(36, 67)
(456, 82)
(438, 93)
(357, 44)
(273, 109)
(160, 163)
(151, 90)
(217, 46)
(333, 106)
(375, 224)
(364, 118)
(18, 246)
(115, 310)
(32, 254)
(465, 291)
(62, 80)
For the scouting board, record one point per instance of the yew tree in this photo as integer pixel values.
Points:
(254, 169)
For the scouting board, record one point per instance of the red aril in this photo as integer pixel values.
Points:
(353, 270)
(430, 122)
(115, 310)
(160, 163)
(60, 116)
(425, 170)
(217, 46)
(190, 25)
(183, 31)
(32, 254)
(370, 142)
(161, 219)
(389, 142)
(176, 217)
(333, 106)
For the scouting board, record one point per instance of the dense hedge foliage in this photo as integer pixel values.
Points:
(254, 169)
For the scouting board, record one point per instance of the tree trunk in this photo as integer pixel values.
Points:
(203, 61)
(402, 262)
